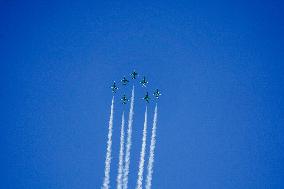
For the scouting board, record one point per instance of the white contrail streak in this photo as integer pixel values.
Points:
(142, 154)
(121, 154)
(152, 150)
(128, 142)
(108, 153)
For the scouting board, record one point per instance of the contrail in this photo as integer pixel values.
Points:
(128, 144)
(142, 154)
(152, 150)
(108, 153)
(121, 154)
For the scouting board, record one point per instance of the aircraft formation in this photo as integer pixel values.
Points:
(134, 75)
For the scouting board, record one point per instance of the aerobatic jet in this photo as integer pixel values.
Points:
(157, 93)
(147, 98)
(144, 82)
(124, 99)
(114, 87)
(134, 74)
(124, 81)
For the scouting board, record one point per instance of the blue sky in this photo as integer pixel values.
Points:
(218, 64)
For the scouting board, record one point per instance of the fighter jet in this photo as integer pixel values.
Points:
(144, 82)
(134, 74)
(124, 99)
(147, 98)
(124, 81)
(114, 87)
(157, 93)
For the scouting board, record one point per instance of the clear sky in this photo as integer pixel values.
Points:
(218, 64)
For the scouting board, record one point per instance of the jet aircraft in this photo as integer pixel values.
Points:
(124, 99)
(114, 87)
(134, 74)
(124, 81)
(144, 82)
(157, 93)
(147, 98)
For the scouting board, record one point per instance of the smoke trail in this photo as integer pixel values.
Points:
(121, 154)
(152, 149)
(108, 154)
(142, 154)
(128, 144)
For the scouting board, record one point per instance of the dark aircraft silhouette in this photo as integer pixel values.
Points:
(124, 81)
(144, 82)
(157, 93)
(114, 87)
(147, 98)
(134, 74)
(124, 99)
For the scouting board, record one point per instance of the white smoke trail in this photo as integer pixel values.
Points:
(108, 153)
(121, 154)
(128, 144)
(152, 150)
(142, 154)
